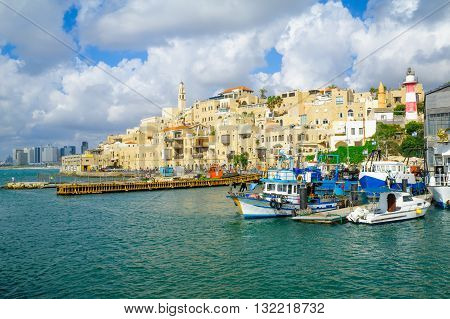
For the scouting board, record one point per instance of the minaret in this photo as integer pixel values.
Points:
(381, 96)
(181, 97)
(410, 97)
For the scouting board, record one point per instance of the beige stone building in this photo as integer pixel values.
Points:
(236, 121)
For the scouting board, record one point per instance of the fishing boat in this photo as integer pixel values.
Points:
(375, 174)
(392, 207)
(280, 196)
(322, 205)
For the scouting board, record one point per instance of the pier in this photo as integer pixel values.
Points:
(130, 186)
(337, 216)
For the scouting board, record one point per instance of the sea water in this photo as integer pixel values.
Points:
(191, 243)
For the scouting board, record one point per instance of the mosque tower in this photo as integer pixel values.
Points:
(181, 97)
(381, 96)
(410, 97)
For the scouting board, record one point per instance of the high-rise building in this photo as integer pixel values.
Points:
(29, 151)
(50, 154)
(84, 147)
(68, 150)
(9, 160)
(37, 154)
(20, 157)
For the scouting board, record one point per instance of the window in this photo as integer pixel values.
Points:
(292, 94)
(270, 187)
(325, 121)
(407, 199)
(289, 189)
(341, 115)
(353, 131)
(361, 131)
(317, 122)
(350, 113)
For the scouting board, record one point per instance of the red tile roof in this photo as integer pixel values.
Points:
(243, 88)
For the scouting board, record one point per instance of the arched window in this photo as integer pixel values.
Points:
(350, 113)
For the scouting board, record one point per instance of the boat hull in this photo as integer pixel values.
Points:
(251, 208)
(441, 195)
(390, 217)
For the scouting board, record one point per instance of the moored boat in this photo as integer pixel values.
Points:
(392, 207)
(280, 196)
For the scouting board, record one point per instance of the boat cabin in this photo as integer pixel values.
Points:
(384, 167)
(280, 182)
(394, 201)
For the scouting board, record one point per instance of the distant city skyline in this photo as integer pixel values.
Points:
(50, 95)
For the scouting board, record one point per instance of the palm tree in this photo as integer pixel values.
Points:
(262, 93)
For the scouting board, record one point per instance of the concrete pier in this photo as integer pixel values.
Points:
(129, 186)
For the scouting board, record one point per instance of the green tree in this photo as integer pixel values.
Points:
(373, 90)
(414, 128)
(274, 102)
(243, 160)
(386, 137)
(412, 146)
(400, 109)
(420, 107)
(262, 93)
(332, 86)
(236, 160)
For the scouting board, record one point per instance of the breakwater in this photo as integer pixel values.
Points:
(129, 186)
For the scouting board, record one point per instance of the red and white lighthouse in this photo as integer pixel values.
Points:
(410, 97)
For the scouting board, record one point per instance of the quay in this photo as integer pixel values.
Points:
(337, 216)
(129, 186)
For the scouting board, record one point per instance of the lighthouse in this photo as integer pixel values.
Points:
(181, 97)
(410, 97)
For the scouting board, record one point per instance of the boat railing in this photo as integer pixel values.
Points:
(442, 179)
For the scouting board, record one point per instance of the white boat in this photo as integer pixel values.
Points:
(378, 174)
(392, 207)
(439, 179)
(280, 196)
(439, 187)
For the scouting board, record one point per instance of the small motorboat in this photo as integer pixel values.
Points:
(392, 207)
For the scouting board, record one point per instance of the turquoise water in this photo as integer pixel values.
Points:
(192, 244)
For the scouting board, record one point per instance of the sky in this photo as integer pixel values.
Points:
(50, 94)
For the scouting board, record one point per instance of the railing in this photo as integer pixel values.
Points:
(442, 179)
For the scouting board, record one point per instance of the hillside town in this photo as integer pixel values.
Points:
(241, 122)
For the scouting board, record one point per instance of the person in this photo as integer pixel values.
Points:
(243, 187)
(13, 179)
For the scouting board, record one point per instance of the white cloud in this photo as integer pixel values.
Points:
(137, 24)
(37, 49)
(66, 102)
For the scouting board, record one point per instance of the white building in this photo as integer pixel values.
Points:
(50, 154)
(351, 133)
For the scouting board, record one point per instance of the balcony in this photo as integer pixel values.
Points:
(178, 156)
(197, 155)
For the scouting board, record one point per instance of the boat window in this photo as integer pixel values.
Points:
(282, 188)
(270, 187)
(289, 189)
(407, 199)
(295, 189)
